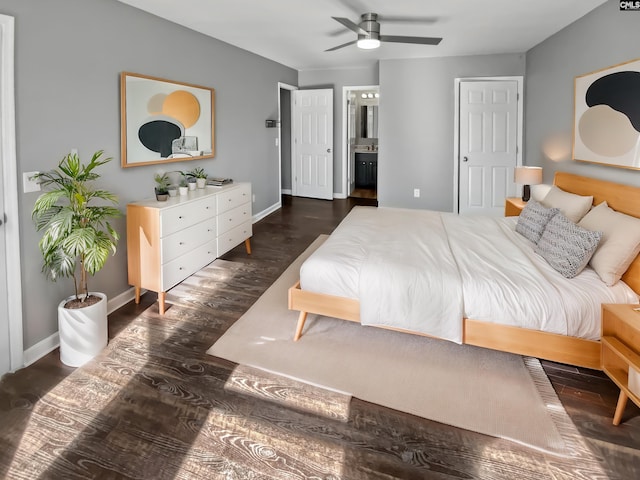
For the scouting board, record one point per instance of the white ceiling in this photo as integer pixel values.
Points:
(296, 32)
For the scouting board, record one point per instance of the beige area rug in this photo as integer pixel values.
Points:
(486, 391)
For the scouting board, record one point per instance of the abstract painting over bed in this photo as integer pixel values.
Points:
(532, 285)
(606, 126)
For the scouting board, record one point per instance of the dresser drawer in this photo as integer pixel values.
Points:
(183, 216)
(180, 268)
(233, 218)
(234, 197)
(179, 243)
(233, 237)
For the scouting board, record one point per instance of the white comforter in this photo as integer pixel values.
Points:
(425, 271)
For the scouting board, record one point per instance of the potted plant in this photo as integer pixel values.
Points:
(182, 187)
(77, 240)
(200, 176)
(162, 186)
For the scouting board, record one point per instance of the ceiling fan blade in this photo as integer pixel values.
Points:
(340, 46)
(406, 19)
(419, 40)
(350, 25)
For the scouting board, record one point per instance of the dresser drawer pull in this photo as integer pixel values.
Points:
(180, 217)
(181, 243)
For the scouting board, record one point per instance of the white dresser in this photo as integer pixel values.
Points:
(168, 241)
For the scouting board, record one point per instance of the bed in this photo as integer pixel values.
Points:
(528, 326)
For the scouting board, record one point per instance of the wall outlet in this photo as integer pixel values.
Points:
(416, 193)
(30, 184)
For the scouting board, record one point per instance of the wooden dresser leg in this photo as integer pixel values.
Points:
(161, 297)
(138, 289)
(301, 319)
(247, 245)
(622, 403)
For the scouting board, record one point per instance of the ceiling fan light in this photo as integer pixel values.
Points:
(368, 43)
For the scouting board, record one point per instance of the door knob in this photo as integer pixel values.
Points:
(465, 159)
(328, 150)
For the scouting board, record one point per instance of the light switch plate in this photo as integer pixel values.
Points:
(29, 184)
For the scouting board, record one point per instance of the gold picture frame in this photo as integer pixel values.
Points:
(164, 121)
(606, 122)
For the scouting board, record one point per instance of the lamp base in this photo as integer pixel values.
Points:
(526, 193)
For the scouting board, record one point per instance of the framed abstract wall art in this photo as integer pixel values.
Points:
(164, 121)
(606, 126)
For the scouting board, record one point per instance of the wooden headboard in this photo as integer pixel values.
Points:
(622, 198)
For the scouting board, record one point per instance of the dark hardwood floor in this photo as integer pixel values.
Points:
(153, 405)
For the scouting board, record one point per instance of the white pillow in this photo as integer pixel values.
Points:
(620, 242)
(538, 192)
(572, 206)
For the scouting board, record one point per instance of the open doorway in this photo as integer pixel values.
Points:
(284, 136)
(360, 134)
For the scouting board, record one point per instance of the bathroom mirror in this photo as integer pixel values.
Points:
(369, 121)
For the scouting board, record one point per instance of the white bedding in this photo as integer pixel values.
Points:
(424, 271)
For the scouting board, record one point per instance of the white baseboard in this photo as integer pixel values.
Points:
(286, 191)
(52, 342)
(40, 349)
(339, 195)
(120, 300)
(267, 211)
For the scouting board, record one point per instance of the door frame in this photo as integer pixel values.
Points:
(8, 157)
(344, 148)
(456, 127)
(291, 88)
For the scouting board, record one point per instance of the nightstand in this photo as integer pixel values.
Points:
(621, 352)
(513, 206)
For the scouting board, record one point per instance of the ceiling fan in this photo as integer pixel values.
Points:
(369, 37)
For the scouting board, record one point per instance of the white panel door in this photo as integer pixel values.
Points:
(488, 145)
(313, 143)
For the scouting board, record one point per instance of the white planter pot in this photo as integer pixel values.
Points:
(183, 190)
(201, 182)
(83, 331)
(191, 185)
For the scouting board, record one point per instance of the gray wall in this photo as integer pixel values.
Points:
(416, 125)
(600, 39)
(336, 79)
(69, 54)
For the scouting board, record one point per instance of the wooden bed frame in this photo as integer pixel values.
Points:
(549, 346)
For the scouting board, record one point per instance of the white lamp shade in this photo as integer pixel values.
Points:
(528, 175)
(368, 43)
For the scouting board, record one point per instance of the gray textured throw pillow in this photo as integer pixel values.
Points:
(566, 246)
(532, 220)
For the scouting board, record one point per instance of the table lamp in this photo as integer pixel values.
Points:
(527, 176)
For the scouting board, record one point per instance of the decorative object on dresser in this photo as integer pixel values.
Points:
(159, 116)
(527, 176)
(77, 240)
(606, 124)
(621, 352)
(162, 186)
(167, 243)
(199, 174)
